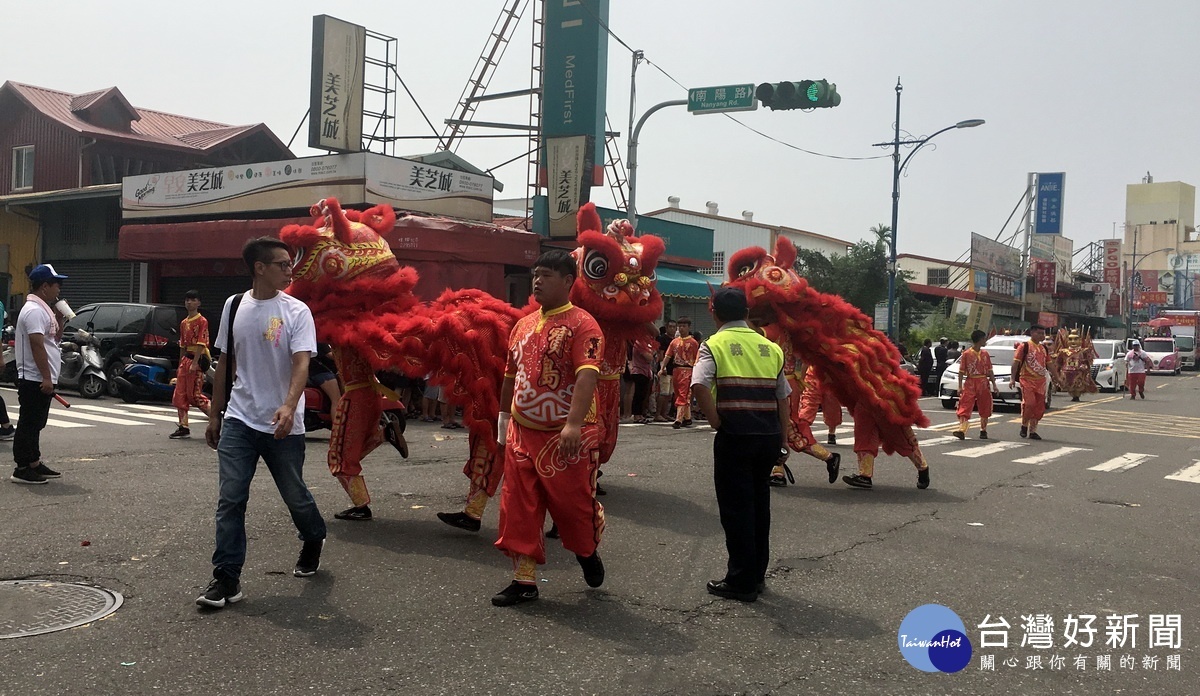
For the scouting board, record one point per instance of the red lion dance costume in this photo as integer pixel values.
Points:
(363, 304)
(857, 363)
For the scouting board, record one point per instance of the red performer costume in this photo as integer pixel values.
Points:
(860, 366)
(355, 431)
(800, 436)
(976, 382)
(548, 357)
(684, 351)
(1032, 364)
(189, 382)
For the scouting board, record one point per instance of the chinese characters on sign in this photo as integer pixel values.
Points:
(1049, 203)
(715, 100)
(336, 91)
(568, 168)
(1044, 276)
(1134, 642)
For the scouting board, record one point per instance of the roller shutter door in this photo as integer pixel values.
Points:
(99, 281)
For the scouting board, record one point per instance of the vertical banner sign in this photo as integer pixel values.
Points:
(567, 159)
(574, 83)
(1044, 276)
(335, 100)
(1048, 218)
(1112, 262)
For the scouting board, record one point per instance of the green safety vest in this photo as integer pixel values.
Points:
(748, 368)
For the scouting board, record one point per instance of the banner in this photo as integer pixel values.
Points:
(1103, 294)
(1112, 262)
(335, 98)
(1148, 297)
(568, 168)
(1044, 276)
(1048, 216)
(994, 257)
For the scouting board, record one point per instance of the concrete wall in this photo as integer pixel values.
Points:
(1162, 203)
(960, 274)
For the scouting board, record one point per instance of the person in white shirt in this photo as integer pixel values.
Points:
(1139, 363)
(38, 356)
(265, 352)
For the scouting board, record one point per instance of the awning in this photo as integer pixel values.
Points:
(673, 282)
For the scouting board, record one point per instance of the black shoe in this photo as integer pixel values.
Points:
(393, 432)
(857, 481)
(721, 588)
(778, 480)
(1034, 436)
(983, 435)
(593, 569)
(553, 532)
(1024, 431)
(24, 474)
(219, 593)
(310, 559)
(362, 513)
(833, 465)
(923, 478)
(761, 587)
(1074, 398)
(687, 422)
(959, 434)
(7, 431)
(460, 519)
(677, 425)
(180, 433)
(600, 490)
(515, 593)
(45, 472)
(831, 440)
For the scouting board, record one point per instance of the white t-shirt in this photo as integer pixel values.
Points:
(1138, 361)
(33, 319)
(266, 335)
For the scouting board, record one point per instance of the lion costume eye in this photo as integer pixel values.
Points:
(747, 269)
(595, 265)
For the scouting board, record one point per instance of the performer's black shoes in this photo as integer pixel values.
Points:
(923, 478)
(722, 589)
(857, 481)
(515, 593)
(833, 465)
(459, 519)
(983, 435)
(1024, 431)
(1034, 436)
(553, 532)
(687, 422)
(393, 432)
(362, 513)
(959, 434)
(593, 569)
(831, 440)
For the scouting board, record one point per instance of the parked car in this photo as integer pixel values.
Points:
(1109, 368)
(125, 328)
(1001, 349)
(1164, 355)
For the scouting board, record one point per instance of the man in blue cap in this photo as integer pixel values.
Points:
(38, 356)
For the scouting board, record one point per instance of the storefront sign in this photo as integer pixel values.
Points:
(1044, 276)
(1048, 218)
(994, 257)
(335, 100)
(568, 167)
(1112, 262)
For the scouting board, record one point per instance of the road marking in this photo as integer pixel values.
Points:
(52, 421)
(934, 442)
(982, 450)
(1045, 457)
(148, 407)
(1124, 462)
(1190, 474)
(150, 416)
(100, 419)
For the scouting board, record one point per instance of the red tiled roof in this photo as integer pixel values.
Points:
(148, 127)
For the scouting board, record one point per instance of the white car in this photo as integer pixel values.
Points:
(1001, 349)
(1164, 355)
(1109, 368)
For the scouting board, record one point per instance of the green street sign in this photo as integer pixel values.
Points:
(716, 100)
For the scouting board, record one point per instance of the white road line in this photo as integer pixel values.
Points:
(14, 412)
(1190, 474)
(935, 441)
(1124, 462)
(149, 416)
(986, 449)
(98, 419)
(1045, 457)
(148, 407)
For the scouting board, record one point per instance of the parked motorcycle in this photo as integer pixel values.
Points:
(146, 379)
(318, 416)
(82, 367)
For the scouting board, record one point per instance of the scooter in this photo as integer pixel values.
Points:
(318, 416)
(146, 379)
(82, 368)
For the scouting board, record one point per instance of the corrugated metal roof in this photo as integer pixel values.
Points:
(152, 127)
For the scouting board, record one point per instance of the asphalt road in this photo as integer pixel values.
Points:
(1088, 521)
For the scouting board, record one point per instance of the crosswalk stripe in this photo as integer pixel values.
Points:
(150, 416)
(935, 441)
(1190, 474)
(13, 412)
(98, 419)
(148, 407)
(986, 449)
(1043, 458)
(1124, 462)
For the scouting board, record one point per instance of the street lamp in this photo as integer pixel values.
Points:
(1137, 259)
(897, 168)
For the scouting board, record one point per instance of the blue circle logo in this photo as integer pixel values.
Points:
(933, 639)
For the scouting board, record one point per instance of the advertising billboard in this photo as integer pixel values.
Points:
(1112, 262)
(1048, 213)
(994, 257)
(335, 98)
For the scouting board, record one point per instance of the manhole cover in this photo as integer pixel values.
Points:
(30, 607)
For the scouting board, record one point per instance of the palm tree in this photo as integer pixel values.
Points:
(883, 234)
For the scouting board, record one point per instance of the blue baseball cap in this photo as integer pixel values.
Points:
(45, 272)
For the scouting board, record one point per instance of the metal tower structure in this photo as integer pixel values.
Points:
(379, 99)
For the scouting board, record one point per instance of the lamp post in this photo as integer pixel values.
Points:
(897, 168)
(1137, 259)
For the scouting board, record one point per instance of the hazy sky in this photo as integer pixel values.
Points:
(1100, 89)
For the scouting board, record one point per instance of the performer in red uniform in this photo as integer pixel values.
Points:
(189, 379)
(1032, 366)
(552, 440)
(976, 384)
(683, 351)
(799, 435)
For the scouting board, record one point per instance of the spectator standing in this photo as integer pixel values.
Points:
(39, 357)
(925, 366)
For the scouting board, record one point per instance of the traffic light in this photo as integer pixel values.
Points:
(806, 94)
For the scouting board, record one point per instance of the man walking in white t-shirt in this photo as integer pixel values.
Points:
(38, 357)
(266, 354)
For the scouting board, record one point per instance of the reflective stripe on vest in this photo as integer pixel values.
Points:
(748, 367)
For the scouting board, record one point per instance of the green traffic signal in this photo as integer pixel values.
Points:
(806, 94)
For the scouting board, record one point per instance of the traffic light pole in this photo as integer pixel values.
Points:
(633, 163)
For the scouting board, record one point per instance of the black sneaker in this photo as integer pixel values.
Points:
(219, 593)
(721, 588)
(778, 480)
(593, 569)
(600, 490)
(310, 559)
(460, 519)
(362, 513)
(831, 440)
(180, 433)
(983, 435)
(959, 434)
(515, 593)
(1024, 431)
(553, 532)
(923, 478)
(7, 431)
(45, 472)
(24, 474)
(857, 481)
(1034, 436)
(677, 425)
(833, 465)
(687, 422)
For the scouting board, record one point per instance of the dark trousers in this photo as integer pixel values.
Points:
(35, 409)
(641, 390)
(742, 473)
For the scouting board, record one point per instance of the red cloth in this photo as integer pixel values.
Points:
(681, 380)
(189, 386)
(355, 430)
(608, 401)
(537, 480)
(1136, 381)
(976, 393)
(545, 352)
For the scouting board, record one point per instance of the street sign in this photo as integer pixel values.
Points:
(716, 100)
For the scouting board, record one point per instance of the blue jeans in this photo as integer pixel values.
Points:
(237, 455)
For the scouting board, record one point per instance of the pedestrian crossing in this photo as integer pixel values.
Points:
(103, 413)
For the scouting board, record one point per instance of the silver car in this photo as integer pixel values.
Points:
(1001, 349)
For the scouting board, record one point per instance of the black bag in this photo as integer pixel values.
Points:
(203, 362)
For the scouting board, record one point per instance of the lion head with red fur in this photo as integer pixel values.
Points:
(616, 271)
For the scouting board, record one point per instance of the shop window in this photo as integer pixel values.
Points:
(22, 168)
(718, 264)
(937, 276)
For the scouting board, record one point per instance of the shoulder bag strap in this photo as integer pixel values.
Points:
(231, 364)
